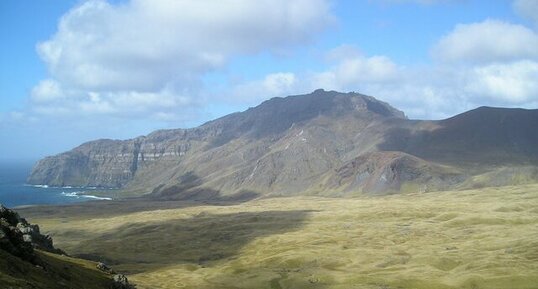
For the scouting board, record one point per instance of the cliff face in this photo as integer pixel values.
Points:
(105, 163)
(319, 143)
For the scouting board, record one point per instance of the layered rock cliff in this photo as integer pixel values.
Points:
(319, 143)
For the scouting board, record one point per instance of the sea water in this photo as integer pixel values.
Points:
(14, 191)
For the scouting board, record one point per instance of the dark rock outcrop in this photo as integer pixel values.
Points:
(104, 268)
(121, 282)
(22, 266)
(19, 238)
(11, 241)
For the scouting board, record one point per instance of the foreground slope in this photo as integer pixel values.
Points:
(301, 145)
(29, 260)
(469, 239)
(59, 272)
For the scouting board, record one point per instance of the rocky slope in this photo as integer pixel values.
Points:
(385, 172)
(19, 238)
(325, 142)
(29, 260)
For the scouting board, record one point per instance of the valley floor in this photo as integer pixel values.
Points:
(485, 238)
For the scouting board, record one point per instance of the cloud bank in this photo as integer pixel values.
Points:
(145, 57)
(527, 9)
(148, 59)
(490, 62)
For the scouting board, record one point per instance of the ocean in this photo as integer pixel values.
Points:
(15, 192)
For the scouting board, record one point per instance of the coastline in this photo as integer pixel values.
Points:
(83, 194)
(16, 192)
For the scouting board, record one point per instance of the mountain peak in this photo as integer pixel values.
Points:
(278, 114)
(331, 102)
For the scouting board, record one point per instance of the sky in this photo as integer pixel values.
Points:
(73, 71)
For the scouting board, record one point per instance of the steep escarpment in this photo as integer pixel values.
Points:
(319, 143)
(108, 163)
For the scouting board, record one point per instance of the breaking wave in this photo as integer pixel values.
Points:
(79, 195)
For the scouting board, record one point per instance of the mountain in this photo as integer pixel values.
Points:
(325, 142)
(486, 135)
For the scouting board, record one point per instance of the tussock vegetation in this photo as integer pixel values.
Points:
(485, 238)
(60, 272)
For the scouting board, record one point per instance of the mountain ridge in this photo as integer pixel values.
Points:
(296, 145)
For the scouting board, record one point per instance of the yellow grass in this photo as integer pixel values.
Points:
(485, 238)
(59, 272)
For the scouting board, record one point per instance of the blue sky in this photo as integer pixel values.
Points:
(73, 71)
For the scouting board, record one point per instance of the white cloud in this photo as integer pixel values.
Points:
(123, 104)
(47, 90)
(278, 82)
(433, 91)
(352, 67)
(515, 83)
(424, 92)
(145, 58)
(490, 63)
(148, 56)
(274, 84)
(487, 41)
(368, 69)
(527, 9)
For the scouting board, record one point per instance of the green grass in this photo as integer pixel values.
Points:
(485, 238)
(59, 272)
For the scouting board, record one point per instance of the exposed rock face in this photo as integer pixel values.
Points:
(19, 238)
(12, 241)
(105, 268)
(385, 172)
(302, 144)
(25, 267)
(121, 282)
(105, 163)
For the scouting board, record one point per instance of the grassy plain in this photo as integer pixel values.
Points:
(485, 238)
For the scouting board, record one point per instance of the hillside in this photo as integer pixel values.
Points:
(306, 144)
(483, 136)
(29, 260)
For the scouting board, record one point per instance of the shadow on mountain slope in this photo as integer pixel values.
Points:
(200, 239)
(188, 192)
(106, 209)
(485, 136)
(189, 187)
